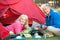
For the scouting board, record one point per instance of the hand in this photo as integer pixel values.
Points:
(26, 26)
(44, 27)
(11, 33)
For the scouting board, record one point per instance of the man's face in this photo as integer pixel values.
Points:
(46, 10)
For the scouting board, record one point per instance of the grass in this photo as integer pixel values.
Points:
(51, 38)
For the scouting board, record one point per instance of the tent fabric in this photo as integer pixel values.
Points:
(8, 17)
(3, 32)
(8, 2)
(19, 7)
(2, 9)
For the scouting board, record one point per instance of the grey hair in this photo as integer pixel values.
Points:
(47, 5)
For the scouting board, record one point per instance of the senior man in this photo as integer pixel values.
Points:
(52, 19)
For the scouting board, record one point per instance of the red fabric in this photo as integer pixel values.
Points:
(27, 7)
(2, 9)
(30, 21)
(7, 2)
(8, 17)
(3, 32)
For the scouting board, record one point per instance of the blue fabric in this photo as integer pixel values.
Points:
(53, 19)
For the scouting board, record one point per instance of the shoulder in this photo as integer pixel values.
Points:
(16, 23)
(53, 12)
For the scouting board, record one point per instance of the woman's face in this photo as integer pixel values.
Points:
(23, 20)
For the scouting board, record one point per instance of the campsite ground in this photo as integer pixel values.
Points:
(51, 38)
